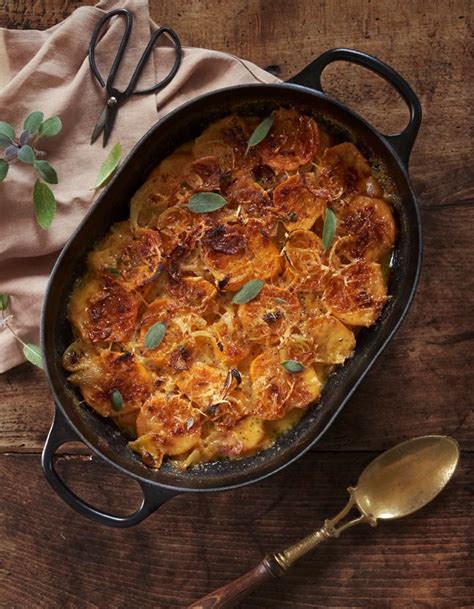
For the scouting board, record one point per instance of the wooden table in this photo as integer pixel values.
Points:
(53, 558)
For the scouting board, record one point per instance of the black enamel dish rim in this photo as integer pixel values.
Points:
(395, 148)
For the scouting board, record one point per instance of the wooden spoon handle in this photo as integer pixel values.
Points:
(229, 595)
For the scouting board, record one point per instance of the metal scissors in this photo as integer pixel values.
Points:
(115, 98)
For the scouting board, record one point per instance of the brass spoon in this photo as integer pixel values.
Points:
(395, 484)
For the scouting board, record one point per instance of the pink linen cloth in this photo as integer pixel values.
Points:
(48, 71)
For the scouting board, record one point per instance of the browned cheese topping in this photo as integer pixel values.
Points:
(205, 334)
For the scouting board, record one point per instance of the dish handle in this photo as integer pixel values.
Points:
(402, 142)
(60, 433)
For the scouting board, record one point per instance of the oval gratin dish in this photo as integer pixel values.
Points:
(388, 156)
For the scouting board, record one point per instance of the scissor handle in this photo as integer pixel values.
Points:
(130, 90)
(120, 52)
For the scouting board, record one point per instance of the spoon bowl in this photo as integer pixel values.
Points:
(406, 477)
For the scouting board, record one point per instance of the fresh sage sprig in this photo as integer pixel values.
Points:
(248, 292)
(205, 202)
(31, 352)
(329, 228)
(109, 166)
(154, 335)
(23, 149)
(260, 132)
(293, 366)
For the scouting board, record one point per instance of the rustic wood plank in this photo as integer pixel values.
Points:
(421, 384)
(54, 559)
(289, 35)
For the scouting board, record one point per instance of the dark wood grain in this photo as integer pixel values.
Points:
(51, 558)
(54, 558)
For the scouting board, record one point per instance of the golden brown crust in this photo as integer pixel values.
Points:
(236, 254)
(296, 202)
(226, 139)
(194, 294)
(160, 345)
(166, 425)
(342, 172)
(270, 316)
(131, 258)
(102, 311)
(356, 293)
(307, 262)
(369, 226)
(275, 391)
(231, 344)
(293, 141)
(107, 371)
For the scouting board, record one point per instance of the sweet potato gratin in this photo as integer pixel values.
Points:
(209, 321)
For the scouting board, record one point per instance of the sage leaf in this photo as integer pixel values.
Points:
(109, 166)
(25, 154)
(291, 365)
(154, 335)
(4, 301)
(33, 355)
(50, 127)
(7, 134)
(33, 122)
(329, 228)
(205, 202)
(117, 400)
(7, 129)
(45, 204)
(3, 169)
(260, 132)
(24, 137)
(10, 152)
(4, 140)
(248, 292)
(47, 172)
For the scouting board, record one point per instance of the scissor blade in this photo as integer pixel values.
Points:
(109, 123)
(100, 124)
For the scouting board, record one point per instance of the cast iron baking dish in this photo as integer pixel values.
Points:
(388, 156)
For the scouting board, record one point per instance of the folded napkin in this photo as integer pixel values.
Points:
(48, 71)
